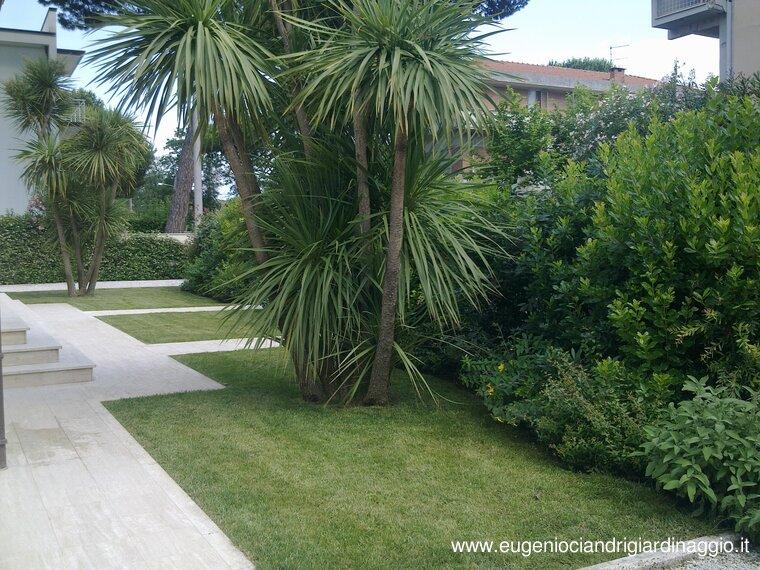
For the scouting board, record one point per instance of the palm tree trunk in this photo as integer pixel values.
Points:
(378, 391)
(76, 242)
(97, 258)
(246, 182)
(283, 28)
(183, 182)
(362, 184)
(310, 389)
(65, 257)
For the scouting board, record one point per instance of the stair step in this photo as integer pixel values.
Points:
(13, 335)
(22, 354)
(27, 375)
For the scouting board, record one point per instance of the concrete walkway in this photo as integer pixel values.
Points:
(117, 312)
(80, 492)
(176, 348)
(101, 285)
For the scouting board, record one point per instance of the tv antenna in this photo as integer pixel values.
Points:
(613, 59)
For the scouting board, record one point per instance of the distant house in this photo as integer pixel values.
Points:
(736, 23)
(16, 47)
(549, 86)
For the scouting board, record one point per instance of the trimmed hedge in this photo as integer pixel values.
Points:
(29, 255)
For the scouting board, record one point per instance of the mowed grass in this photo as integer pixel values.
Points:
(303, 486)
(128, 298)
(176, 327)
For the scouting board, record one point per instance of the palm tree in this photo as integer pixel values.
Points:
(414, 64)
(38, 101)
(197, 55)
(106, 155)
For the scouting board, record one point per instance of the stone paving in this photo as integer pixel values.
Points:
(101, 285)
(117, 312)
(79, 491)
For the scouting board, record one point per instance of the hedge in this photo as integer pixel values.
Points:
(29, 255)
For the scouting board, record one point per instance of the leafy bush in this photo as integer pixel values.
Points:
(628, 281)
(707, 449)
(220, 255)
(591, 417)
(144, 256)
(28, 255)
(149, 217)
(658, 262)
(518, 138)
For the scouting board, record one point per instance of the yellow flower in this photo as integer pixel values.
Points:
(489, 390)
(502, 367)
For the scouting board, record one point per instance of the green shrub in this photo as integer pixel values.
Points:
(219, 255)
(657, 262)
(591, 417)
(707, 449)
(28, 255)
(144, 256)
(517, 141)
(676, 244)
(150, 217)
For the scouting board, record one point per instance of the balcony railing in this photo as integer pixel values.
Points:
(669, 7)
(76, 113)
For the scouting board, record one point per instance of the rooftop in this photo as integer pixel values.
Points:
(561, 78)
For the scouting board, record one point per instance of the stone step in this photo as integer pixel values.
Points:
(66, 371)
(13, 334)
(34, 353)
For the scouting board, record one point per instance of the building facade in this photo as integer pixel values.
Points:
(549, 86)
(16, 47)
(736, 23)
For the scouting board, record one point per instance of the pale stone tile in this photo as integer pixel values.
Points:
(45, 445)
(65, 483)
(14, 452)
(78, 526)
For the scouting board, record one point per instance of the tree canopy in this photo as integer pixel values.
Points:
(80, 14)
(587, 63)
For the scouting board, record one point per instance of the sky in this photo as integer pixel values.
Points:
(542, 31)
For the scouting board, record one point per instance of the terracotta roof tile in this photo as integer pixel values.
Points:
(579, 75)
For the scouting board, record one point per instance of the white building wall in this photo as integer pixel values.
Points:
(14, 196)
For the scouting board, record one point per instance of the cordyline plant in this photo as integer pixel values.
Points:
(195, 55)
(398, 74)
(79, 169)
(412, 65)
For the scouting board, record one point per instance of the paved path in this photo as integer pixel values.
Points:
(79, 491)
(116, 312)
(175, 348)
(101, 285)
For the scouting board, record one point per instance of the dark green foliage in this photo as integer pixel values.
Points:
(520, 137)
(707, 449)
(587, 63)
(81, 14)
(645, 271)
(219, 255)
(27, 255)
(592, 417)
(144, 256)
(149, 217)
(499, 9)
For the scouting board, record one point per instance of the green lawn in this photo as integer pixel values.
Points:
(174, 327)
(304, 486)
(132, 298)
